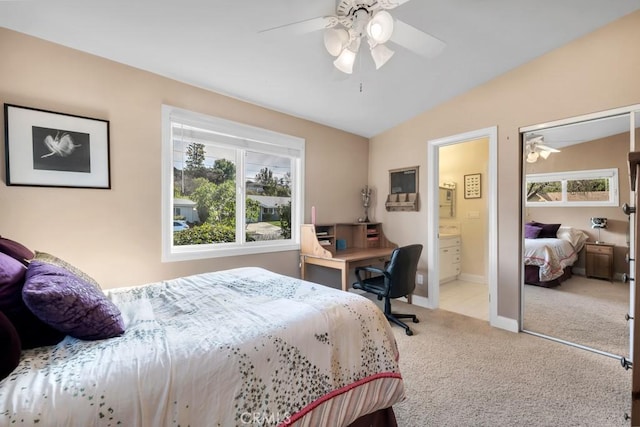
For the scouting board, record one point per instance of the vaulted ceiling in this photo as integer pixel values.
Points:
(219, 45)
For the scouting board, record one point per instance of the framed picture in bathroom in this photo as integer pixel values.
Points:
(472, 186)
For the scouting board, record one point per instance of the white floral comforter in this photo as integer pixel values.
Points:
(241, 347)
(551, 255)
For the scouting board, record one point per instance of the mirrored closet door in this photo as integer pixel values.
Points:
(576, 236)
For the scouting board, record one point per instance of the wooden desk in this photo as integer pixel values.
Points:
(365, 245)
(347, 259)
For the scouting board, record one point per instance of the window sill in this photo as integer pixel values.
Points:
(189, 253)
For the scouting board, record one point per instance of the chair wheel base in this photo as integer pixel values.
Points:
(409, 332)
(415, 320)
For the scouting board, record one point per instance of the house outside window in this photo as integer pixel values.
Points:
(242, 184)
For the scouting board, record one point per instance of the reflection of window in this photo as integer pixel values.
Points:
(232, 174)
(577, 188)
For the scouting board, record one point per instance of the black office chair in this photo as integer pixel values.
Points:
(398, 279)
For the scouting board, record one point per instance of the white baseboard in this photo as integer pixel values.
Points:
(473, 278)
(421, 301)
(505, 323)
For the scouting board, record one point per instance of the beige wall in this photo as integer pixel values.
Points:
(594, 73)
(456, 161)
(114, 235)
(603, 153)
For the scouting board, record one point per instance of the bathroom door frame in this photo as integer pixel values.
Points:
(433, 221)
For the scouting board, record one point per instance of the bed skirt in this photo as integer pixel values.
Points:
(381, 418)
(532, 277)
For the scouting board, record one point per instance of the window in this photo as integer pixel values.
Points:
(577, 188)
(237, 188)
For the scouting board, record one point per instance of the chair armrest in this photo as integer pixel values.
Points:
(370, 269)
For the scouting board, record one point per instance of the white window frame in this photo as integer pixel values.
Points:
(246, 137)
(563, 177)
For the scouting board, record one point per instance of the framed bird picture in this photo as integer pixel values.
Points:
(48, 149)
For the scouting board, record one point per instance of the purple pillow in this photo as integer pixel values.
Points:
(51, 259)
(11, 270)
(531, 231)
(32, 331)
(70, 304)
(15, 250)
(548, 230)
(10, 347)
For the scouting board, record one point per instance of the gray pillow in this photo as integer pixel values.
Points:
(69, 303)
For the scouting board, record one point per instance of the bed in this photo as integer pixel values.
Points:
(238, 347)
(549, 257)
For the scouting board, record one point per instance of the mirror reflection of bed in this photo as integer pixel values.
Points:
(570, 177)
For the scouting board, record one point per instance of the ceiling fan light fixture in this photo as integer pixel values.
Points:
(335, 40)
(345, 61)
(381, 54)
(532, 157)
(380, 27)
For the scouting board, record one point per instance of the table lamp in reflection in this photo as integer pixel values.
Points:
(599, 223)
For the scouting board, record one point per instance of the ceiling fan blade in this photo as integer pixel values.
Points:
(304, 27)
(416, 40)
(534, 139)
(391, 4)
(547, 148)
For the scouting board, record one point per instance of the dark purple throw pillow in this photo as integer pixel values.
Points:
(531, 231)
(11, 270)
(15, 250)
(70, 304)
(10, 347)
(32, 331)
(548, 230)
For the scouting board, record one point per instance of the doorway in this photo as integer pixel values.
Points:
(474, 187)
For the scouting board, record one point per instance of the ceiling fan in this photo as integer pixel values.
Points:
(535, 148)
(356, 20)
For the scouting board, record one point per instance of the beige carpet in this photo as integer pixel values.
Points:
(459, 371)
(589, 312)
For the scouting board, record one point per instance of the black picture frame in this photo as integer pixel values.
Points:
(51, 149)
(473, 186)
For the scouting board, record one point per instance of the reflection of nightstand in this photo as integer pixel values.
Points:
(599, 260)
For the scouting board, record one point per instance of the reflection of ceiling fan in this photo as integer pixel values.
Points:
(358, 19)
(535, 148)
